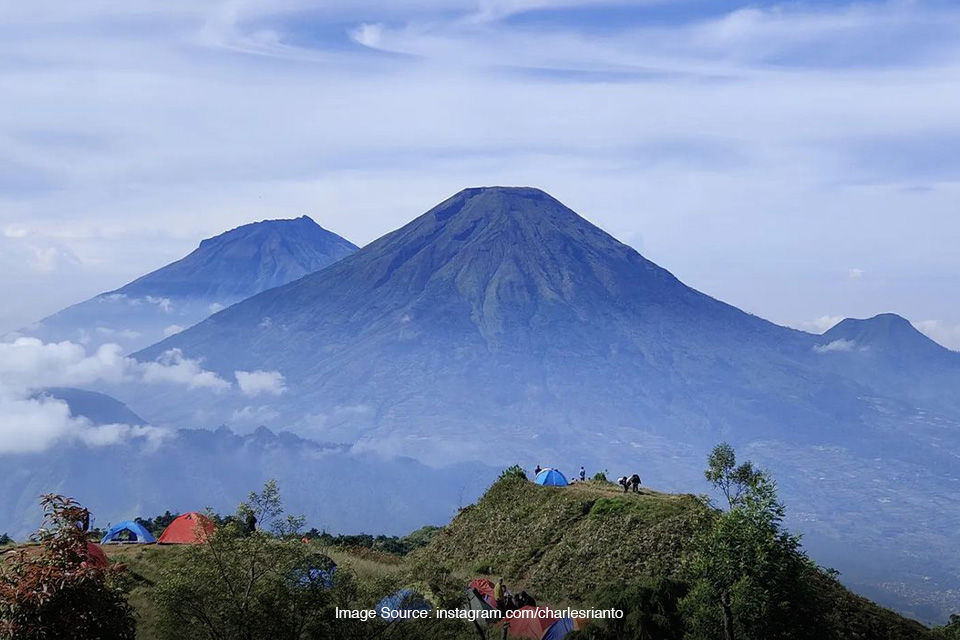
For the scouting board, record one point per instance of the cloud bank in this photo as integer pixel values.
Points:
(32, 421)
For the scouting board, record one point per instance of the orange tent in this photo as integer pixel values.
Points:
(190, 528)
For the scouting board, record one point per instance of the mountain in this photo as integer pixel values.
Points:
(98, 408)
(221, 271)
(192, 469)
(502, 326)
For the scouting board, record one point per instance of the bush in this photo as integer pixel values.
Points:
(601, 476)
(57, 591)
(516, 471)
(651, 611)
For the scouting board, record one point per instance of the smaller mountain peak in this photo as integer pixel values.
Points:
(882, 331)
(263, 433)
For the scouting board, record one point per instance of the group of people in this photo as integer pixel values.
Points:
(629, 482)
(508, 601)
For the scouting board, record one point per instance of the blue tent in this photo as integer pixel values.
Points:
(404, 600)
(318, 571)
(559, 629)
(138, 534)
(551, 478)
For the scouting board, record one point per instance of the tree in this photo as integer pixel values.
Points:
(515, 471)
(651, 611)
(267, 507)
(56, 591)
(750, 578)
(5, 540)
(950, 631)
(246, 586)
(724, 474)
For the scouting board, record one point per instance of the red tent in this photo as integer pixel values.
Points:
(190, 528)
(532, 628)
(485, 588)
(95, 556)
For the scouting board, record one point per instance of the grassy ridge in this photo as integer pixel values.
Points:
(563, 543)
(542, 537)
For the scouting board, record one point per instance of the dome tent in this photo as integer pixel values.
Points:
(190, 528)
(138, 534)
(402, 601)
(551, 478)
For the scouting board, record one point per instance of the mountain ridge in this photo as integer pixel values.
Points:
(221, 271)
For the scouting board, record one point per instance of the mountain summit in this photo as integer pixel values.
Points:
(221, 271)
(499, 307)
(244, 261)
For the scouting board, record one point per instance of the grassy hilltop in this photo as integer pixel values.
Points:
(565, 543)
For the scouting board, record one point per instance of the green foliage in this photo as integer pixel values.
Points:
(157, 524)
(57, 591)
(608, 506)
(397, 545)
(253, 585)
(515, 471)
(724, 474)
(651, 611)
(751, 578)
(950, 631)
(601, 476)
(552, 540)
(5, 540)
(267, 507)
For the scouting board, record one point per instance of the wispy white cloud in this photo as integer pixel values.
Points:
(254, 383)
(173, 367)
(947, 334)
(836, 345)
(744, 127)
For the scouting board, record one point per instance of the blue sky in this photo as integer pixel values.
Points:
(799, 159)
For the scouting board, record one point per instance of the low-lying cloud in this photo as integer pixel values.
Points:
(32, 421)
(254, 383)
(836, 345)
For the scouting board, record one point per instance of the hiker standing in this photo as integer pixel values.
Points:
(624, 482)
(583, 474)
(635, 483)
(537, 471)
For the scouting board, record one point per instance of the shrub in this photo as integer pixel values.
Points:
(57, 591)
(516, 471)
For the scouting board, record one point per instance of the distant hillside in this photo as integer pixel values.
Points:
(564, 543)
(221, 271)
(194, 469)
(98, 408)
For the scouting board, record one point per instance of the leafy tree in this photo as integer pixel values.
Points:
(57, 591)
(750, 578)
(157, 524)
(256, 585)
(515, 471)
(267, 507)
(651, 611)
(724, 473)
